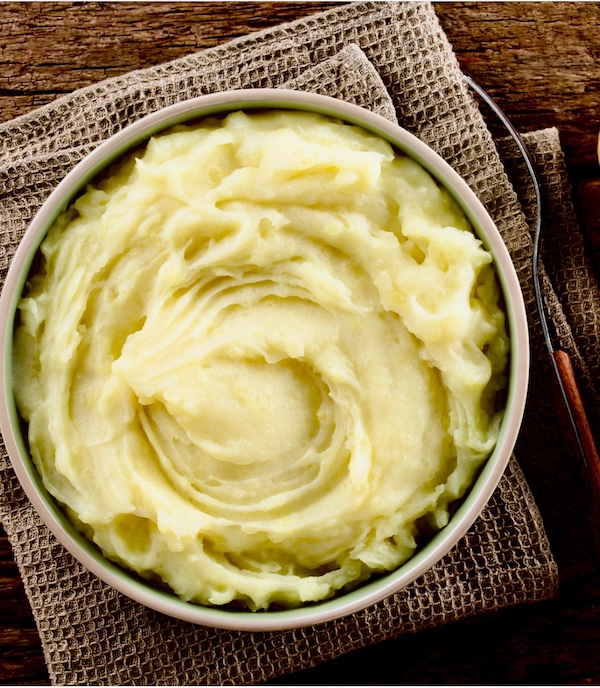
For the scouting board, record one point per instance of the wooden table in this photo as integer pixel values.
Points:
(541, 62)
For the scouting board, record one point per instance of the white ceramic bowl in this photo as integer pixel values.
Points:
(470, 507)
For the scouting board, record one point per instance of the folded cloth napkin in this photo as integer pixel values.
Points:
(392, 58)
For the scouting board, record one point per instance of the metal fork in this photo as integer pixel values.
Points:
(573, 411)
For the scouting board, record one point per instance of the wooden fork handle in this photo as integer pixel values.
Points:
(591, 472)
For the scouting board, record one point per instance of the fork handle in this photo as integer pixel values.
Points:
(591, 471)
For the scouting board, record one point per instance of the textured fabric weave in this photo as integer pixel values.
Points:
(394, 59)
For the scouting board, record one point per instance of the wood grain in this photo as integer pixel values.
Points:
(541, 62)
(21, 656)
(48, 49)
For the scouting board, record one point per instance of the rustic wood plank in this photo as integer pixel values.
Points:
(544, 50)
(588, 200)
(541, 62)
(48, 49)
(21, 656)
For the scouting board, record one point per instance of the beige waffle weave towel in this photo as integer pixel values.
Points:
(392, 58)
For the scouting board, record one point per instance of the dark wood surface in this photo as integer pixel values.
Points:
(541, 62)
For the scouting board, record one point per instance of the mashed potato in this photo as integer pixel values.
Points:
(259, 357)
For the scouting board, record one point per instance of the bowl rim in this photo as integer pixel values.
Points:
(479, 493)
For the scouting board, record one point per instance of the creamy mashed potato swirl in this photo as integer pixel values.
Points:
(259, 357)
